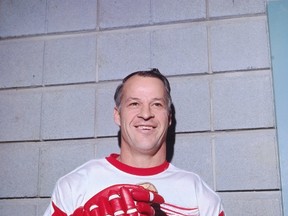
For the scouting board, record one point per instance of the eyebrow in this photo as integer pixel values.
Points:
(138, 99)
(132, 98)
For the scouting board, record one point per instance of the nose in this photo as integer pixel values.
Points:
(146, 112)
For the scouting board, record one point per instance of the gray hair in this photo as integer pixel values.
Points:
(151, 73)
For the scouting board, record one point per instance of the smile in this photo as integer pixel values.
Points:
(145, 127)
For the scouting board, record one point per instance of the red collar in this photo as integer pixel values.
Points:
(112, 159)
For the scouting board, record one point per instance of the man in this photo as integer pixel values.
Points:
(139, 180)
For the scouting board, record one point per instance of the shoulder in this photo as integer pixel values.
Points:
(179, 173)
(193, 181)
(190, 185)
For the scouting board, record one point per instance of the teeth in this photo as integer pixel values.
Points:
(145, 127)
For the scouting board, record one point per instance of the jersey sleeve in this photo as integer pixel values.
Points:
(209, 202)
(57, 206)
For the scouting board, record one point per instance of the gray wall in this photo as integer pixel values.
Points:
(60, 64)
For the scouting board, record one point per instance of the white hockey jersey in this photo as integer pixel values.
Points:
(184, 192)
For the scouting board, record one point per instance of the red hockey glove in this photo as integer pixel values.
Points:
(121, 200)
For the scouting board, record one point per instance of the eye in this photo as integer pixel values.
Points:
(133, 104)
(158, 104)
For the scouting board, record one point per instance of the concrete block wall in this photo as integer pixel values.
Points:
(62, 60)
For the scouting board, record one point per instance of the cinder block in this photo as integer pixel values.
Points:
(20, 115)
(18, 170)
(219, 8)
(246, 161)
(68, 113)
(180, 50)
(171, 10)
(252, 203)
(193, 152)
(123, 13)
(243, 101)
(69, 15)
(24, 207)
(70, 60)
(15, 209)
(21, 63)
(43, 204)
(22, 18)
(191, 99)
(105, 146)
(239, 45)
(105, 125)
(60, 157)
(122, 53)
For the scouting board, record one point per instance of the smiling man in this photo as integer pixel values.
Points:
(139, 181)
(143, 116)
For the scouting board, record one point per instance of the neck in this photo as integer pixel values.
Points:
(140, 160)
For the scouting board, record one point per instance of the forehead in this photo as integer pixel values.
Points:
(140, 84)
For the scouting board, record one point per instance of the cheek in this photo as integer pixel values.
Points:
(164, 117)
(126, 118)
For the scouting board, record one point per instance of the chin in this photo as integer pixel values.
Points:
(147, 148)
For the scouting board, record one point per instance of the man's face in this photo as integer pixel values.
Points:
(143, 117)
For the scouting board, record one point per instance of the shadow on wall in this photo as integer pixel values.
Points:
(170, 140)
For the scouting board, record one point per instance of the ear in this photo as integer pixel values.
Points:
(117, 116)
(170, 119)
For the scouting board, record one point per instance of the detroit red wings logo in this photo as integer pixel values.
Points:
(168, 209)
(172, 210)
